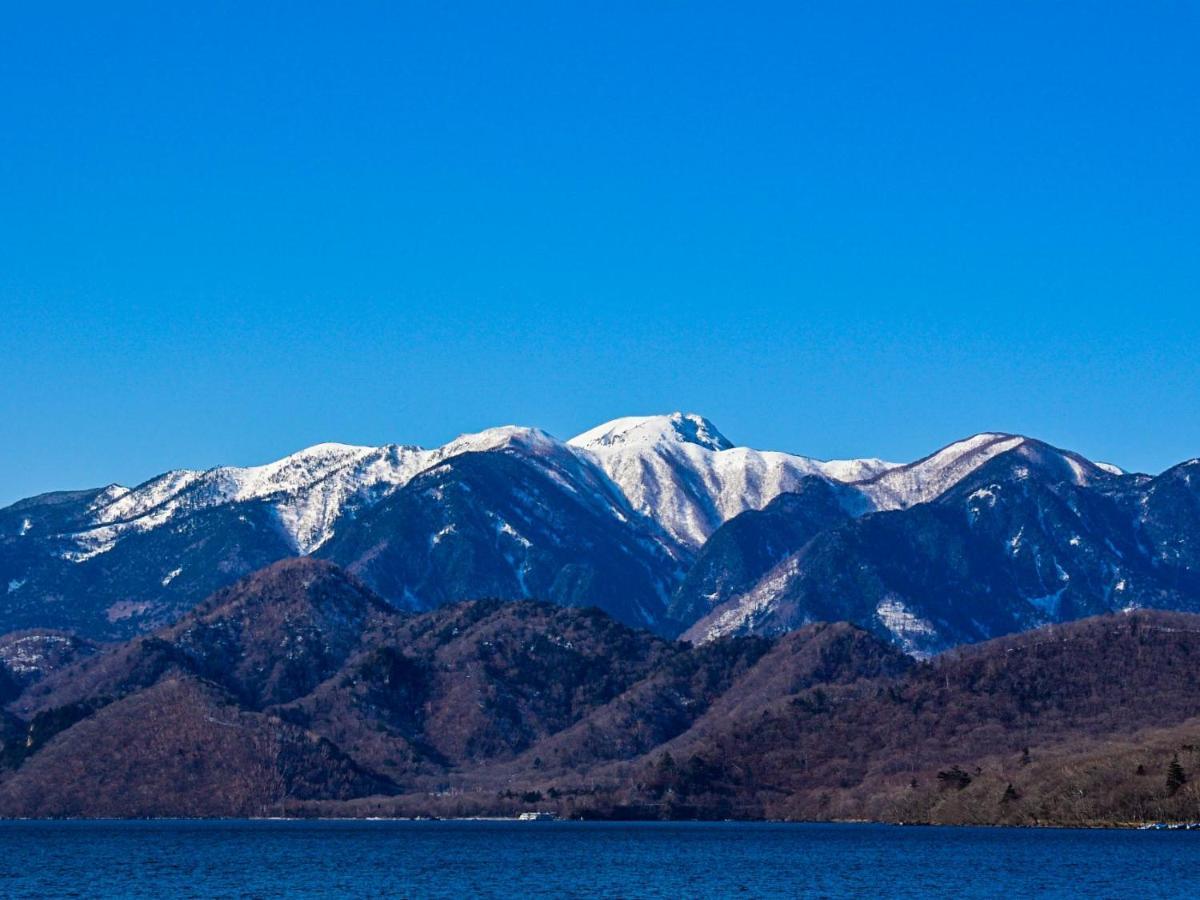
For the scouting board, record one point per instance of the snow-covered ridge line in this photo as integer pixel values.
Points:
(676, 470)
(682, 472)
(925, 479)
(308, 490)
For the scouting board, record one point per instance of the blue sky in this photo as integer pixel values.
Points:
(229, 231)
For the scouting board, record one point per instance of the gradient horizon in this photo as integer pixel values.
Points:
(842, 230)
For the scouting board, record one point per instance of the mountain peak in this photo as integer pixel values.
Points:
(502, 437)
(293, 587)
(675, 428)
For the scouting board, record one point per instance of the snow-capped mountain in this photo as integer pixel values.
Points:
(511, 526)
(307, 490)
(659, 520)
(900, 487)
(682, 472)
(140, 554)
(678, 470)
(749, 545)
(1031, 535)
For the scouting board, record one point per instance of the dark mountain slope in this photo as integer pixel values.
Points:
(1030, 537)
(298, 691)
(10, 688)
(476, 682)
(868, 572)
(472, 694)
(48, 514)
(655, 709)
(408, 697)
(498, 525)
(146, 580)
(278, 633)
(27, 657)
(745, 548)
(271, 637)
(1167, 512)
(179, 748)
(822, 653)
(852, 751)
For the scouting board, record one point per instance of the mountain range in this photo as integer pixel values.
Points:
(659, 521)
(298, 691)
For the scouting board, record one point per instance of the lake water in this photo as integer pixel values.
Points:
(517, 859)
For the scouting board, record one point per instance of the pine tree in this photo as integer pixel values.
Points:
(1175, 776)
(1010, 794)
(954, 777)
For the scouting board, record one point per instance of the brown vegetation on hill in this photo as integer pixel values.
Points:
(180, 748)
(296, 691)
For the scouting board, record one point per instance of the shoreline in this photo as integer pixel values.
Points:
(1098, 826)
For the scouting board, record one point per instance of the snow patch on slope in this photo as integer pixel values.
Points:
(745, 613)
(906, 627)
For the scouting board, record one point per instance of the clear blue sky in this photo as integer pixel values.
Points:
(231, 230)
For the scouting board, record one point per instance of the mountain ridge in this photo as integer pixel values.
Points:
(491, 707)
(1029, 536)
(641, 516)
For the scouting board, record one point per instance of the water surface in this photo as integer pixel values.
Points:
(507, 859)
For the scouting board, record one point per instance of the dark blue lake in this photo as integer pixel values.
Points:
(513, 859)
